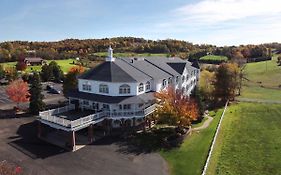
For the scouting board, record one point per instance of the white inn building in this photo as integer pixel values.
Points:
(117, 93)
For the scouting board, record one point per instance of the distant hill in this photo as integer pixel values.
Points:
(88, 48)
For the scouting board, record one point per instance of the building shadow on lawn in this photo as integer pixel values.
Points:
(28, 143)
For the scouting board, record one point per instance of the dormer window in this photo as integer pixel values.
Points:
(164, 83)
(147, 86)
(141, 87)
(183, 78)
(170, 80)
(86, 86)
(103, 88)
(124, 89)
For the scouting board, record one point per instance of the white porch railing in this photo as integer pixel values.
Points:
(57, 110)
(86, 119)
(50, 115)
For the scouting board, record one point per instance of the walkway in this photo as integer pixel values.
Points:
(205, 124)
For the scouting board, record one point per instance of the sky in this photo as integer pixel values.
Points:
(219, 22)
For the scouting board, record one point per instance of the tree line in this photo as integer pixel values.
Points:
(71, 48)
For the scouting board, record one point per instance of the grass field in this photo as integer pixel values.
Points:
(249, 141)
(214, 57)
(104, 54)
(190, 157)
(64, 64)
(265, 79)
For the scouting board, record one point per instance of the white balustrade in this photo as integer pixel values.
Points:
(49, 115)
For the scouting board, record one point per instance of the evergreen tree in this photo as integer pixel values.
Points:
(36, 98)
(70, 82)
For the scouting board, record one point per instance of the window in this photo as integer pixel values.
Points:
(86, 86)
(103, 88)
(183, 90)
(170, 80)
(177, 79)
(127, 106)
(164, 83)
(86, 102)
(124, 89)
(141, 87)
(183, 78)
(147, 86)
(105, 106)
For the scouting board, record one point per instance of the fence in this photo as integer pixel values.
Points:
(214, 141)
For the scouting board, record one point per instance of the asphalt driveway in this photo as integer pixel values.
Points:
(19, 145)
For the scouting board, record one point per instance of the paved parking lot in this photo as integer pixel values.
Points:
(4, 99)
(108, 156)
(50, 98)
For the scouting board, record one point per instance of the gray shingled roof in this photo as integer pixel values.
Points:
(143, 98)
(179, 67)
(147, 68)
(116, 71)
(161, 63)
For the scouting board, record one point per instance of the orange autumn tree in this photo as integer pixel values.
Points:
(17, 91)
(176, 108)
(79, 69)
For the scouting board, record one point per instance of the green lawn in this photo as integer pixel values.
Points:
(214, 57)
(190, 157)
(265, 79)
(249, 141)
(64, 64)
(104, 54)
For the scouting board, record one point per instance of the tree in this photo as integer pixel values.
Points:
(17, 91)
(21, 66)
(11, 73)
(51, 72)
(206, 85)
(36, 98)
(176, 108)
(2, 72)
(57, 72)
(226, 81)
(279, 60)
(9, 169)
(79, 69)
(46, 73)
(70, 82)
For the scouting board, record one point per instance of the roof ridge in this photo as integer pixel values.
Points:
(136, 68)
(158, 67)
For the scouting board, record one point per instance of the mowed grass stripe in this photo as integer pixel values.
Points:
(249, 141)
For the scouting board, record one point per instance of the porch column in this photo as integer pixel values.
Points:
(39, 129)
(123, 126)
(90, 133)
(149, 123)
(72, 140)
(144, 125)
(134, 122)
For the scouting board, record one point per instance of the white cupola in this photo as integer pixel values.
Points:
(110, 55)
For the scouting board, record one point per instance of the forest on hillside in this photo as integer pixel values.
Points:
(72, 48)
